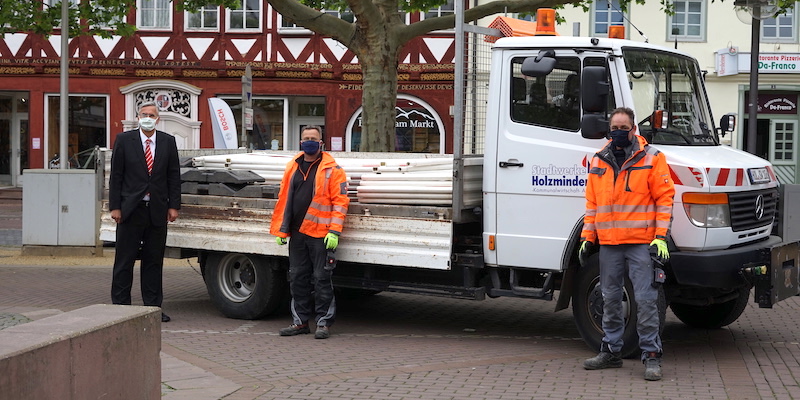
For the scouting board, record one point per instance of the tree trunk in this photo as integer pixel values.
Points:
(379, 98)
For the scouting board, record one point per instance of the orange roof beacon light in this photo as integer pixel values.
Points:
(616, 32)
(546, 22)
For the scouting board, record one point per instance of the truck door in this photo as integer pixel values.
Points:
(541, 162)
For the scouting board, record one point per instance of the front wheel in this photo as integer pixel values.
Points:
(587, 309)
(712, 316)
(245, 286)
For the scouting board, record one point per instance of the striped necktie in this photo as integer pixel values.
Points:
(148, 156)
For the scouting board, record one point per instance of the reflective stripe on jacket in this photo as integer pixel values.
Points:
(628, 205)
(328, 204)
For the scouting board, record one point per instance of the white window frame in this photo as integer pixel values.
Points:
(243, 12)
(116, 19)
(440, 12)
(291, 28)
(202, 11)
(777, 20)
(608, 21)
(449, 9)
(686, 14)
(773, 142)
(140, 8)
(52, 3)
(294, 29)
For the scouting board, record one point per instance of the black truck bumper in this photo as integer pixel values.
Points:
(771, 266)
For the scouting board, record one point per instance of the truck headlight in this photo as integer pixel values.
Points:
(707, 210)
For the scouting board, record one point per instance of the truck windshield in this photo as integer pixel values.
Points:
(669, 98)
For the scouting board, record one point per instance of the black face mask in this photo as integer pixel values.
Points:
(619, 138)
(310, 147)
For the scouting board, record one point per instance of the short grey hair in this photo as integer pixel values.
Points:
(314, 127)
(147, 104)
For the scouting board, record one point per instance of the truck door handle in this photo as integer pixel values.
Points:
(506, 164)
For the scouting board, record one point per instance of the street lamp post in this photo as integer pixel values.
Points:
(758, 10)
(752, 121)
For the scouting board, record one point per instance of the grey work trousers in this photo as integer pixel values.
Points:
(307, 277)
(612, 280)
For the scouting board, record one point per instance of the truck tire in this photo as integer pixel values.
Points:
(712, 316)
(245, 286)
(587, 309)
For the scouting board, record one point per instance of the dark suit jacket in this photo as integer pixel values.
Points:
(129, 180)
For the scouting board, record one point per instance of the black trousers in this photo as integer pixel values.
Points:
(137, 233)
(309, 282)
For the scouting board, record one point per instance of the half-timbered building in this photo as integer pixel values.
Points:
(181, 60)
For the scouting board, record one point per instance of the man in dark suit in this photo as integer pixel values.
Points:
(144, 194)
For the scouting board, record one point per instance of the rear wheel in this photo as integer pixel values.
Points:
(245, 286)
(712, 316)
(587, 308)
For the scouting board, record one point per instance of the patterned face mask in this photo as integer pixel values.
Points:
(147, 124)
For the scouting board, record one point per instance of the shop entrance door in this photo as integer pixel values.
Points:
(13, 137)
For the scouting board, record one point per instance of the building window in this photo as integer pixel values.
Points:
(781, 28)
(269, 121)
(53, 3)
(606, 14)
(783, 151)
(246, 17)
(154, 14)
(441, 11)
(88, 127)
(288, 25)
(110, 24)
(418, 128)
(206, 18)
(688, 23)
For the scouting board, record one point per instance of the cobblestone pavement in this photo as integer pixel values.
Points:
(394, 346)
(406, 347)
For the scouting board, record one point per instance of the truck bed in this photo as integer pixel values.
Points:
(417, 236)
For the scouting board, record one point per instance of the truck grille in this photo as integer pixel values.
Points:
(750, 210)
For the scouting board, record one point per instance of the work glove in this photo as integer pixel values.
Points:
(584, 251)
(280, 241)
(331, 241)
(660, 248)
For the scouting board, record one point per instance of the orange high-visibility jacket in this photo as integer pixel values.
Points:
(631, 204)
(328, 204)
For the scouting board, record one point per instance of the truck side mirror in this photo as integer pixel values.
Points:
(541, 65)
(594, 126)
(727, 123)
(594, 89)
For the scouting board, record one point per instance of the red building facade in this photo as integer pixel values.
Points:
(182, 60)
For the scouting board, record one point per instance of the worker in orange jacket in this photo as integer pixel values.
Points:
(312, 204)
(629, 198)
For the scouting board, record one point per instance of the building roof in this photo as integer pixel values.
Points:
(512, 27)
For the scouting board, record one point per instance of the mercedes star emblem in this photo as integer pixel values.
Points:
(759, 206)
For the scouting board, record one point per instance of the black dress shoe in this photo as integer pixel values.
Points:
(165, 317)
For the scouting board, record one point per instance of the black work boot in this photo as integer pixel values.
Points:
(295, 329)
(604, 359)
(652, 366)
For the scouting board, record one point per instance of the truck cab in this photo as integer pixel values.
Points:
(556, 95)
